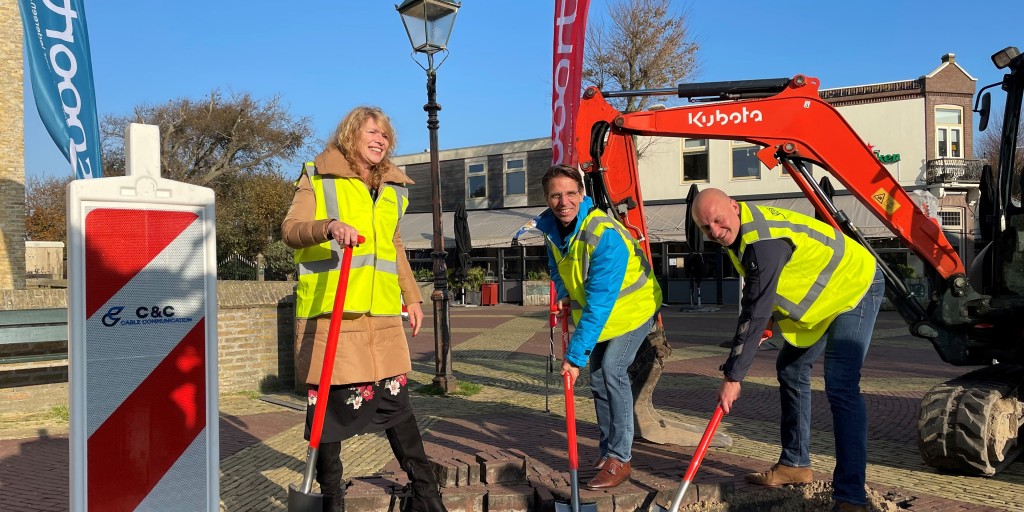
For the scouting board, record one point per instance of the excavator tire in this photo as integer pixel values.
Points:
(970, 424)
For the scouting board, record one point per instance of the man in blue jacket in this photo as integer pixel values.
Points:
(602, 273)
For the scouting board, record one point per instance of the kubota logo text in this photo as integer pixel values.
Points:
(706, 119)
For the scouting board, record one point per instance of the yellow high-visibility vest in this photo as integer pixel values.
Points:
(373, 278)
(639, 295)
(828, 274)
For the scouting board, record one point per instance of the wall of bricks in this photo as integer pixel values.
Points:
(254, 346)
(255, 331)
(12, 150)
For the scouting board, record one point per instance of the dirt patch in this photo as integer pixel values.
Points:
(813, 497)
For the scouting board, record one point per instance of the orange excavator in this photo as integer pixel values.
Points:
(969, 425)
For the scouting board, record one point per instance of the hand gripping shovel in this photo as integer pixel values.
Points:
(551, 343)
(691, 470)
(303, 499)
(574, 462)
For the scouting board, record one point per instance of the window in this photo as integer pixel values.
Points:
(745, 164)
(515, 176)
(951, 219)
(948, 132)
(476, 178)
(695, 160)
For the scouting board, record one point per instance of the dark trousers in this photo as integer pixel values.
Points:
(328, 474)
(407, 445)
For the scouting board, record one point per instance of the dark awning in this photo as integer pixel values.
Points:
(665, 223)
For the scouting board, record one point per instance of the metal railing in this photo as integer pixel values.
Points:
(949, 170)
(236, 267)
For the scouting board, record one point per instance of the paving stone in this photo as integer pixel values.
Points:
(447, 473)
(505, 349)
(501, 467)
(471, 473)
(465, 499)
(510, 498)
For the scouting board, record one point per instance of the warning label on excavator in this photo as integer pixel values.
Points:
(887, 201)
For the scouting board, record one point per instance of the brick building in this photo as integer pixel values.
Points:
(12, 150)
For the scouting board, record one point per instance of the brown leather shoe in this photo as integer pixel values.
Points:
(599, 463)
(612, 474)
(781, 474)
(849, 507)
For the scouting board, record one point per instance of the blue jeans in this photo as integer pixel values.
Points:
(613, 394)
(845, 345)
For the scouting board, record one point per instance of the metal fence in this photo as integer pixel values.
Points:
(236, 267)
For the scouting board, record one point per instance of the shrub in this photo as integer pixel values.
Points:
(280, 261)
(474, 278)
(424, 274)
(538, 275)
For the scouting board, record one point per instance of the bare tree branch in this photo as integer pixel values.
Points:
(647, 46)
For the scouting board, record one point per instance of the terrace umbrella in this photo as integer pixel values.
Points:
(694, 263)
(694, 237)
(463, 243)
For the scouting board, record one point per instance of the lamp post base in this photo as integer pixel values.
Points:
(443, 377)
(448, 384)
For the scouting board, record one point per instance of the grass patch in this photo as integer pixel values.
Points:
(60, 412)
(251, 394)
(462, 388)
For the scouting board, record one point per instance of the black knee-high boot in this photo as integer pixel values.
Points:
(329, 471)
(408, 447)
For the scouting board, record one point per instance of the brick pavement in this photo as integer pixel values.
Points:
(503, 435)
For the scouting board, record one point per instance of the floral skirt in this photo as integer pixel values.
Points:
(354, 409)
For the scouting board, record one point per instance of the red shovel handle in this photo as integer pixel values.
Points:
(324, 388)
(553, 301)
(565, 330)
(705, 441)
(570, 421)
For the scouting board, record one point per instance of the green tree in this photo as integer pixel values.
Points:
(209, 140)
(239, 146)
(45, 217)
(279, 260)
(250, 209)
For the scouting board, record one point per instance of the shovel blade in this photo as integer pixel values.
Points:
(299, 501)
(563, 506)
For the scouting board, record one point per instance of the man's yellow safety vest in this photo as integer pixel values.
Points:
(828, 274)
(373, 279)
(639, 296)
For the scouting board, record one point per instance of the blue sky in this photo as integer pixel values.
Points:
(326, 56)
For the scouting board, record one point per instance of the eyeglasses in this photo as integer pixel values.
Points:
(572, 194)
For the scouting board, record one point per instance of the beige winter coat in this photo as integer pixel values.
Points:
(369, 348)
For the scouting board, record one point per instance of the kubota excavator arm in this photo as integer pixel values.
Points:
(972, 424)
(793, 124)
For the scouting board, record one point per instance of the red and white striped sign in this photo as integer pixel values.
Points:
(142, 315)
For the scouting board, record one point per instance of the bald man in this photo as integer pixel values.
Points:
(823, 290)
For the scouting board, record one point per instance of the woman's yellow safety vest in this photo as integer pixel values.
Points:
(639, 296)
(828, 274)
(373, 279)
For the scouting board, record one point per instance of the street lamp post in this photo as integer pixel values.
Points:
(429, 24)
